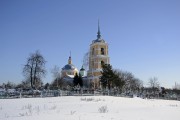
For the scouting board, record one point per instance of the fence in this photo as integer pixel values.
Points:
(56, 93)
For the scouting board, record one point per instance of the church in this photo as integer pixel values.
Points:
(98, 54)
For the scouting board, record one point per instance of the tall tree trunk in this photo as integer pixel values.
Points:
(31, 77)
(35, 78)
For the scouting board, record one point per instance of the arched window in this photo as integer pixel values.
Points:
(102, 51)
(102, 63)
(93, 51)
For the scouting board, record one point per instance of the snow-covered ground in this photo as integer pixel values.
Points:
(88, 108)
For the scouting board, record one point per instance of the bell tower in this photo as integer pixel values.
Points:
(98, 54)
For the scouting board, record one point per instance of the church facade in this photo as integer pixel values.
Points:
(98, 54)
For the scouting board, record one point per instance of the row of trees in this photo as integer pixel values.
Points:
(120, 80)
(126, 82)
(34, 70)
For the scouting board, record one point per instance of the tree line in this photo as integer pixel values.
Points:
(111, 79)
(122, 81)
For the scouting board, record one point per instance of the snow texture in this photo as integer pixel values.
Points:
(88, 108)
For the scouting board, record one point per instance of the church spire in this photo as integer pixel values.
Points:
(69, 60)
(98, 33)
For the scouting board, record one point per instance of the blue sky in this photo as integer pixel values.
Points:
(143, 36)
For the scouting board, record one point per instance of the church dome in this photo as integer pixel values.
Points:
(69, 69)
(98, 40)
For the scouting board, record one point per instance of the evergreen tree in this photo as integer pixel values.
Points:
(80, 80)
(76, 79)
(111, 78)
(107, 76)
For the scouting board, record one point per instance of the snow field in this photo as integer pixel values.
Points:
(88, 108)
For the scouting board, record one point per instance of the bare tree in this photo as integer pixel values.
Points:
(136, 85)
(86, 61)
(56, 72)
(57, 80)
(128, 78)
(119, 80)
(130, 83)
(24, 84)
(176, 86)
(10, 85)
(153, 84)
(34, 69)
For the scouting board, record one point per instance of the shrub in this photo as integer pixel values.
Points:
(103, 109)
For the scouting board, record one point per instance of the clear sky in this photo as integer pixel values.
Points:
(143, 35)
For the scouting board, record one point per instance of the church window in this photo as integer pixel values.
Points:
(93, 51)
(102, 51)
(102, 62)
